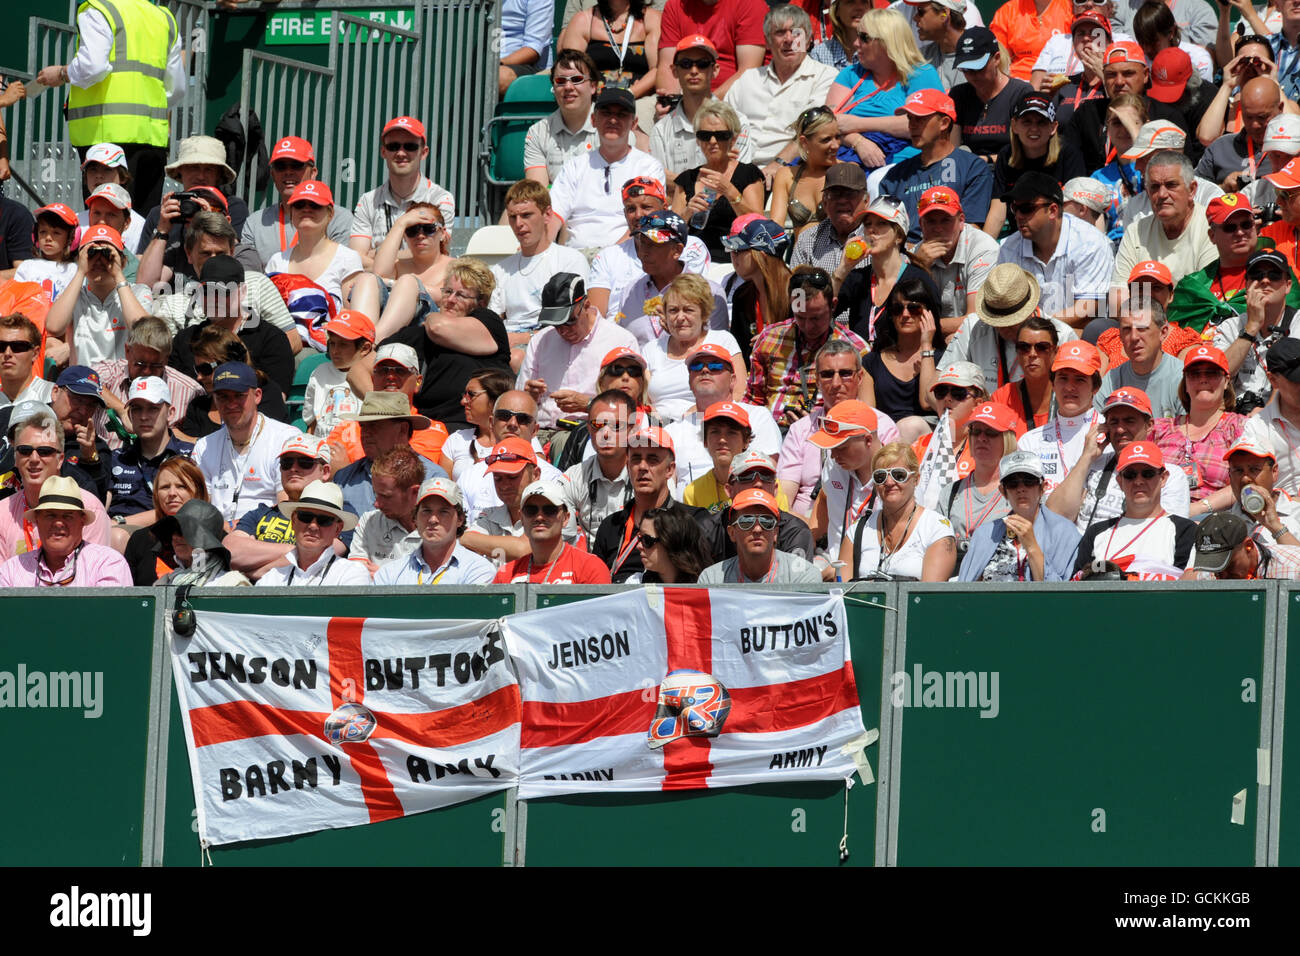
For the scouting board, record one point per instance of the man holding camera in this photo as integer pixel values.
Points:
(1245, 338)
(99, 304)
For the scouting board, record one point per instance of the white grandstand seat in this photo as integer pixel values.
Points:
(719, 271)
(491, 244)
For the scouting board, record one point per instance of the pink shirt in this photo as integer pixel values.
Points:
(17, 535)
(95, 567)
(801, 460)
(562, 365)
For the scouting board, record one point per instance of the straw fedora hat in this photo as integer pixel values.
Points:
(59, 494)
(324, 496)
(1008, 297)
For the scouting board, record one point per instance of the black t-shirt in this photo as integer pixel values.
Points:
(446, 372)
(1068, 165)
(793, 536)
(238, 213)
(896, 398)
(267, 346)
(1085, 133)
(855, 298)
(721, 215)
(142, 553)
(985, 127)
(744, 312)
(16, 228)
(196, 422)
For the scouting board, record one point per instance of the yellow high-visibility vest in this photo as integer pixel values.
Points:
(130, 104)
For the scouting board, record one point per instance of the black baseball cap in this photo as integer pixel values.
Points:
(974, 48)
(616, 96)
(221, 270)
(1216, 538)
(1267, 257)
(1283, 358)
(1035, 185)
(1034, 102)
(561, 292)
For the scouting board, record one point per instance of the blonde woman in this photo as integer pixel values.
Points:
(710, 197)
(688, 300)
(889, 68)
(797, 191)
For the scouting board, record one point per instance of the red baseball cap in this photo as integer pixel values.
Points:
(696, 41)
(213, 195)
(728, 410)
(846, 420)
(1140, 453)
(1221, 208)
(1206, 353)
(59, 211)
(1078, 356)
(1150, 269)
(351, 324)
(622, 352)
(313, 191)
(408, 123)
(644, 186)
(939, 197)
(1129, 398)
(293, 147)
(1170, 71)
(927, 103)
(996, 416)
(1093, 17)
(510, 455)
(1288, 177)
(1124, 51)
(102, 233)
(755, 498)
(712, 349)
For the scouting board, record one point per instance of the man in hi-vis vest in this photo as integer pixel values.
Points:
(126, 73)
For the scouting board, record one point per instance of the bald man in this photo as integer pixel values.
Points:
(1235, 159)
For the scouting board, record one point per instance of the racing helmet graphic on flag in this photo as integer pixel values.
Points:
(691, 704)
(350, 724)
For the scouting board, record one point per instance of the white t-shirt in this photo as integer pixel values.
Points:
(617, 267)
(846, 499)
(1144, 542)
(99, 328)
(1058, 445)
(463, 450)
(693, 458)
(327, 571)
(518, 293)
(670, 386)
(1251, 376)
(52, 276)
(1175, 497)
(588, 195)
(907, 560)
(327, 398)
(1286, 445)
(346, 262)
(239, 483)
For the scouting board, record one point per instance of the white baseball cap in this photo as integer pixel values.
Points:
(552, 491)
(107, 154)
(403, 355)
(1283, 134)
(150, 388)
(113, 193)
(443, 488)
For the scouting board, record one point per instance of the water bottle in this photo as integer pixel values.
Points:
(698, 220)
(1252, 501)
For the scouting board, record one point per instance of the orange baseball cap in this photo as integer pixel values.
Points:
(1288, 177)
(1078, 356)
(1124, 51)
(312, 191)
(102, 233)
(408, 123)
(652, 437)
(1129, 398)
(60, 211)
(644, 186)
(712, 349)
(696, 41)
(941, 198)
(1140, 453)
(755, 498)
(293, 147)
(728, 410)
(622, 352)
(846, 420)
(1206, 353)
(351, 324)
(996, 416)
(510, 455)
(1150, 269)
(928, 102)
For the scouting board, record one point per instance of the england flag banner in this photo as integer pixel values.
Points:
(299, 724)
(684, 688)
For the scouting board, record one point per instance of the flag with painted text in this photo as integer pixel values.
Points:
(311, 723)
(684, 688)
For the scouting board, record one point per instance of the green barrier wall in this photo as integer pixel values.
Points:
(467, 834)
(797, 825)
(76, 785)
(1123, 704)
(1285, 845)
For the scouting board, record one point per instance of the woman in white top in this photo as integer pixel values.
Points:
(688, 303)
(331, 266)
(897, 536)
(468, 445)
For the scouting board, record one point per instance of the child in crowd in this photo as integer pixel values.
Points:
(54, 250)
(349, 336)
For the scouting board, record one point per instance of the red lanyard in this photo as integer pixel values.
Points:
(629, 542)
(1060, 448)
(970, 506)
(1092, 94)
(845, 105)
(1250, 153)
(1111, 556)
(27, 533)
(292, 242)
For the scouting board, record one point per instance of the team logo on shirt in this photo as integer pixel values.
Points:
(691, 704)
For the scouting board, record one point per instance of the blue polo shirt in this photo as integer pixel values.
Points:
(131, 476)
(962, 171)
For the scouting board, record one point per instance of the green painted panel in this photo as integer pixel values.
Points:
(467, 834)
(88, 807)
(1289, 823)
(794, 825)
(1124, 703)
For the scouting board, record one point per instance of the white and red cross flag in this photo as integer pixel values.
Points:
(684, 688)
(299, 724)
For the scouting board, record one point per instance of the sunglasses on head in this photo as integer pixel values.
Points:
(18, 348)
(692, 63)
(26, 451)
(752, 476)
(1132, 474)
(508, 457)
(647, 540)
(959, 393)
(633, 370)
(312, 517)
(548, 511)
(422, 228)
(831, 427)
(505, 415)
(1021, 481)
(302, 462)
(1042, 348)
(817, 278)
(713, 365)
(747, 522)
(408, 146)
(807, 116)
(896, 309)
(898, 474)
(205, 368)
(721, 135)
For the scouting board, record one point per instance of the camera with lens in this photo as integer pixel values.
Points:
(1247, 402)
(1268, 214)
(189, 206)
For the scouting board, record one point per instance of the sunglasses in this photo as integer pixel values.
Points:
(471, 395)
(752, 476)
(1267, 275)
(311, 517)
(301, 462)
(690, 63)
(26, 451)
(205, 368)
(669, 100)
(830, 374)
(1012, 482)
(898, 475)
(634, 370)
(1133, 474)
(505, 415)
(721, 135)
(912, 308)
(1042, 348)
(559, 82)
(394, 369)
(747, 522)
(959, 393)
(302, 205)
(18, 348)
(405, 147)
(508, 457)
(1286, 195)
(864, 38)
(421, 228)
(831, 427)
(288, 166)
(713, 365)
(1027, 208)
(647, 540)
(547, 511)
(1242, 224)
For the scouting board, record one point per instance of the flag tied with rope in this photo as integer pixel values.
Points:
(300, 724)
(683, 688)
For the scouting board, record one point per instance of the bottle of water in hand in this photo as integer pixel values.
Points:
(709, 196)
